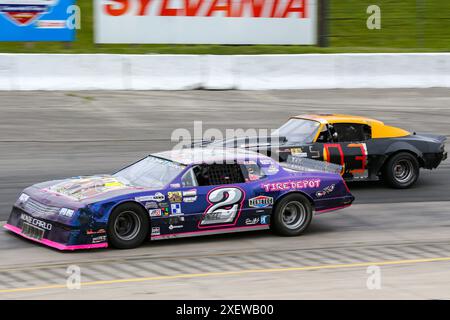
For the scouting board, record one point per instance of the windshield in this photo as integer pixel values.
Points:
(150, 172)
(298, 130)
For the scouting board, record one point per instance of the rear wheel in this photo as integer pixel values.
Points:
(292, 215)
(128, 226)
(401, 170)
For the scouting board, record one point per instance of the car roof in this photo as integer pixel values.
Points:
(200, 155)
(338, 118)
(379, 129)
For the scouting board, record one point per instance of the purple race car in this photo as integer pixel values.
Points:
(179, 193)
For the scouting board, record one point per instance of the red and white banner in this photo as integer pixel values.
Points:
(206, 21)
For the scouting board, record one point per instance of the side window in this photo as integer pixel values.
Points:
(218, 174)
(252, 172)
(188, 179)
(324, 135)
(352, 132)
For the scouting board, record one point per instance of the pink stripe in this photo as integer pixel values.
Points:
(333, 209)
(56, 245)
(262, 226)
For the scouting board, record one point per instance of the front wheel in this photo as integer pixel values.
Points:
(292, 215)
(401, 170)
(128, 226)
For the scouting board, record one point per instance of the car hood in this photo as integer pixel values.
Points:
(84, 189)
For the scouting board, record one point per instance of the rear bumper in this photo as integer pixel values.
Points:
(433, 160)
(51, 233)
(333, 204)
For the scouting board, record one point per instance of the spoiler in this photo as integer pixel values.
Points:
(305, 164)
(438, 138)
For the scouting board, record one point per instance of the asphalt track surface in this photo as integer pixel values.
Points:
(49, 135)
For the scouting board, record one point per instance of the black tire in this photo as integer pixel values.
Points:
(128, 226)
(292, 215)
(401, 170)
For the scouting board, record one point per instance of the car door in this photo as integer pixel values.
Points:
(220, 192)
(349, 149)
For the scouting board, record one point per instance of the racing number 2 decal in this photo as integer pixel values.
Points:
(356, 165)
(225, 205)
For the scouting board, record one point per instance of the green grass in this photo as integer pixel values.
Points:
(405, 28)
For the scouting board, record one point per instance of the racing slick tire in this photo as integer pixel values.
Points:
(401, 170)
(128, 226)
(292, 215)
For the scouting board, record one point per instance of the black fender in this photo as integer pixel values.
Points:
(402, 146)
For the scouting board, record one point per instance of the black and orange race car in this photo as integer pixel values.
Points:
(367, 149)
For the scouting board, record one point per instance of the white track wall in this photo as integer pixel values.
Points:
(246, 72)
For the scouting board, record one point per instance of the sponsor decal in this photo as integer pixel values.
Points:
(175, 185)
(171, 227)
(36, 222)
(272, 169)
(164, 208)
(266, 162)
(99, 231)
(292, 185)
(325, 191)
(298, 152)
(190, 199)
(151, 205)
(260, 202)
(155, 212)
(175, 196)
(190, 193)
(252, 221)
(99, 239)
(175, 208)
(158, 197)
(265, 219)
(66, 212)
(156, 231)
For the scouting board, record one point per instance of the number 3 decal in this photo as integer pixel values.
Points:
(225, 207)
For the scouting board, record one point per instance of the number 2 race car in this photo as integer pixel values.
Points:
(179, 193)
(367, 149)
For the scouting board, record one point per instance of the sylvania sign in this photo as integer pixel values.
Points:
(206, 21)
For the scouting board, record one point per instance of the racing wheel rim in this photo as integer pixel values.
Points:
(127, 225)
(293, 215)
(403, 171)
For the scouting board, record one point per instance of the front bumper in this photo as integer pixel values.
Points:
(50, 233)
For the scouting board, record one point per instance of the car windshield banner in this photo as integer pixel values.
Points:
(206, 21)
(36, 20)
